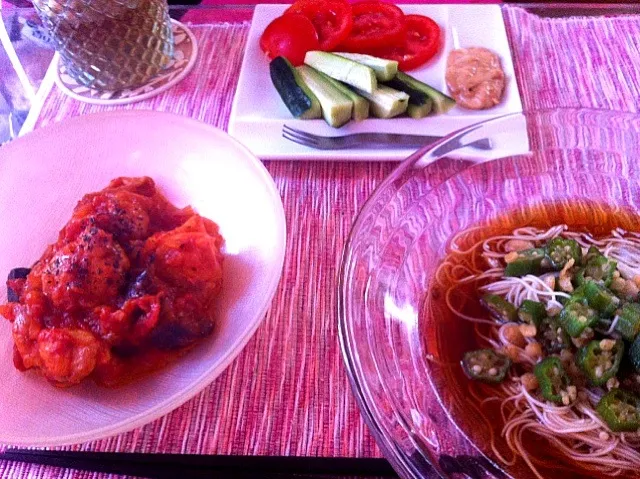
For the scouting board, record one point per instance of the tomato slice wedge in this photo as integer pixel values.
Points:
(421, 42)
(290, 36)
(332, 19)
(375, 24)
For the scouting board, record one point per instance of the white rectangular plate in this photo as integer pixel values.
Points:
(258, 113)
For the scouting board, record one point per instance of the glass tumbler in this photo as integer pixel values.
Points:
(110, 44)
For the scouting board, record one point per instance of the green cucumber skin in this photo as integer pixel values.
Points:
(304, 104)
(416, 97)
(295, 94)
(442, 103)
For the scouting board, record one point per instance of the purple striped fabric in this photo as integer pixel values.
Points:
(576, 62)
(287, 392)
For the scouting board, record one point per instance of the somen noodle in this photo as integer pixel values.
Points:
(576, 423)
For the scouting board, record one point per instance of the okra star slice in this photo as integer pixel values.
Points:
(552, 337)
(592, 252)
(486, 365)
(576, 316)
(600, 298)
(629, 321)
(561, 250)
(499, 307)
(600, 269)
(578, 277)
(634, 354)
(620, 410)
(528, 261)
(597, 268)
(600, 360)
(532, 312)
(553, 380)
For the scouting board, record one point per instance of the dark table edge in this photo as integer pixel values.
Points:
(162, 466)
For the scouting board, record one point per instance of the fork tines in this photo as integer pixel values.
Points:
(300, 137)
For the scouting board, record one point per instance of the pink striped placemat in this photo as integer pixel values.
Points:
(287, 392)
(588, 62)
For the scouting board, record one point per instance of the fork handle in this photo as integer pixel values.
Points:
(397, 139)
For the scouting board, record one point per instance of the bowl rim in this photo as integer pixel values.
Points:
(395, 455)
(257, 168)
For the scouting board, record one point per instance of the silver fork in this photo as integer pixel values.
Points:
(368, 140)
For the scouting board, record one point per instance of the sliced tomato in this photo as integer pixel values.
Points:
(331, 18)
(290, 36)
(375, 24)
(421, 42)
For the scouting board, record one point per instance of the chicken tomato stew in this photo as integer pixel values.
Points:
(130, 285)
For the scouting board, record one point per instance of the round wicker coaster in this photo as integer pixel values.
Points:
(185, 53)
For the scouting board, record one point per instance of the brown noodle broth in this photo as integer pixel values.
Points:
(447, 336)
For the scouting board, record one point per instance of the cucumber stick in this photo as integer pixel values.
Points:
(360, 104)
(441, 102)
(352, 73)
(386, 102)
(336, 106)
(419, 111)
(384, 69)
(420, 104)
(295, 93)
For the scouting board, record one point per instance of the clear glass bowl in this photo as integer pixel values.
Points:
(547, 158)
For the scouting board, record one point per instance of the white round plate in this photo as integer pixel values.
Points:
(45, 173)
